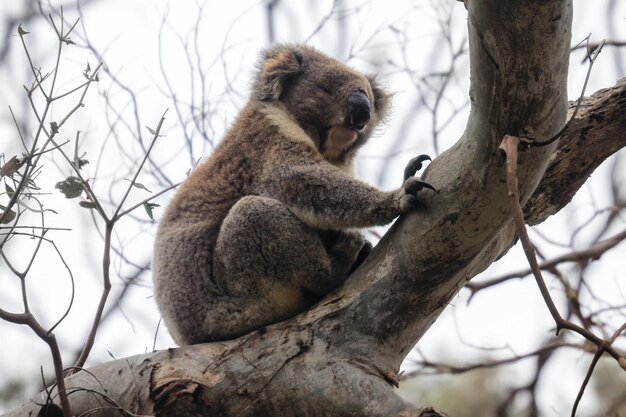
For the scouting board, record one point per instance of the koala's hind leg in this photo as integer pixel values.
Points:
(271, 262)
(347, 250)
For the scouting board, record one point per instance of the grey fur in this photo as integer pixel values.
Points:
(262, 230)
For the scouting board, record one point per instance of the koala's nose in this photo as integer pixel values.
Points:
(357, 111)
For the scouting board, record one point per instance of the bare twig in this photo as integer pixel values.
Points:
(147, 200)
(106, 259)
(442, 368)
(33, 156)
(592, 54)
(29, 320)
(155, 135)
(594, 45)
(510, 145)
(592, 366)
(581, 256)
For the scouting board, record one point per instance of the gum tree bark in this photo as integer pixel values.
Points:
(341, 358)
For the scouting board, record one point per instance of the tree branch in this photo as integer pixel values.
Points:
(426, 257)
(597, 132)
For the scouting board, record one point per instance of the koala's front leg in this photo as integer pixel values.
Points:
(323, 197)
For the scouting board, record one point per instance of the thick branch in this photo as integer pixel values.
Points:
(519, 54)
(598, 131)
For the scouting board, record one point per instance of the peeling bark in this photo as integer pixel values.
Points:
(598, 131)
(341, 357)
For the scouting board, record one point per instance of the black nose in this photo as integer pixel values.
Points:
(357, 111)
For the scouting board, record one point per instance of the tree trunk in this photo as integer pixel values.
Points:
(341, 358)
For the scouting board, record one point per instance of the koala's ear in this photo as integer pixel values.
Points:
(382, 98)
(277, 67)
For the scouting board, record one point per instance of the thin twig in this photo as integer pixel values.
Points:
(155, 135)
(106, 258)
(592, 55)
(594, 252)
(156, 334)
(510, 146)
(593, 46)
(442, 368)
(147, 200)
(40, 145)
(581, 391)
(106, 288)
(45, 335)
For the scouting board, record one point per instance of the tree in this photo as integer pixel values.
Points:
(342, 357)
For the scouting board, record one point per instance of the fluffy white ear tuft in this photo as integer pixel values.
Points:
(277, 67)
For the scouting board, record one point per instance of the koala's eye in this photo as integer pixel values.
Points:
(326, 89)
(360, 90)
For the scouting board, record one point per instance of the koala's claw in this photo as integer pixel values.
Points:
(415, 165)
(413, 187)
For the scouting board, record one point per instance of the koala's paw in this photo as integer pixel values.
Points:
(415, 165)
(411, 189)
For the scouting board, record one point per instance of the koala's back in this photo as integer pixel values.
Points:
(185, 285)
(183, 254)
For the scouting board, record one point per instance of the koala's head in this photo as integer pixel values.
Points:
(335, 104)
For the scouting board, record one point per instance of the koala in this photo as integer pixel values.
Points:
(265, 227)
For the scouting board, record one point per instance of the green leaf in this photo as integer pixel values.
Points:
(87, 71)
(148, 208)
(11, 166)
(154, 132)
(141, 186)
(10, 217)
(21, 31)
(71, 187)
(87, 204)
(81, 162)
(10, 191)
